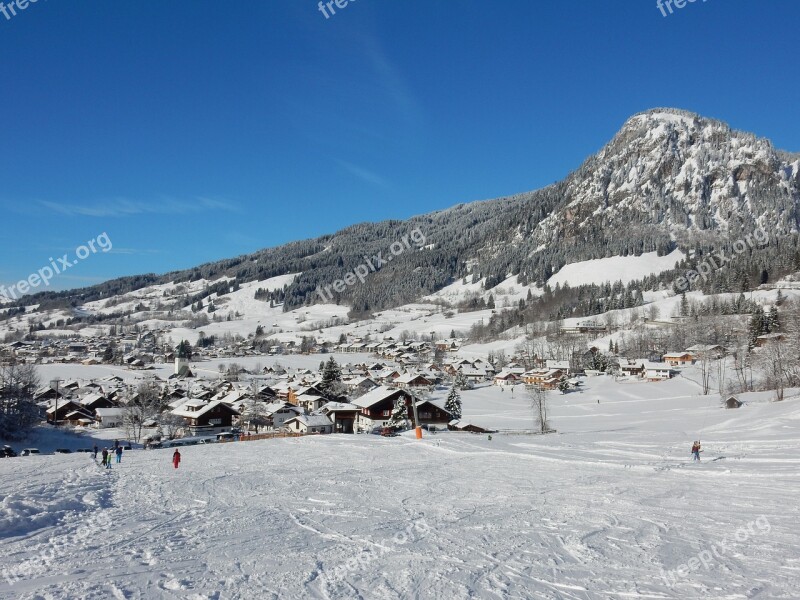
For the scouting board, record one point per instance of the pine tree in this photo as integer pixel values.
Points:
(185, 350)
(453, 404)
(757, 325)
(684, 305)
(331, 375)
(773, 323)
(399, 419)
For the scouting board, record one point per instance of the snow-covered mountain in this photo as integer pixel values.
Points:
(670, 182)
(680, 173)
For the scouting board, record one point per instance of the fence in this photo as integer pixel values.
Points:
(268, 436)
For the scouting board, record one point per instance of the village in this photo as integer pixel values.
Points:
(391, 385)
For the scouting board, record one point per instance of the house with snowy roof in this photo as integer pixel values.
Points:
(309, 424)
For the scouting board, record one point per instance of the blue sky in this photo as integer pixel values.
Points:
(190, 131)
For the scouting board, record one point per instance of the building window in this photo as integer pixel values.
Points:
(215, 421)
(387, 413)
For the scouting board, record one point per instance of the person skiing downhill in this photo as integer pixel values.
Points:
(118, 452)
(696, 451)
(176, 458)
(96, 450)
(105, 456)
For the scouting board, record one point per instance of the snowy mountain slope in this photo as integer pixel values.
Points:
(617, 268)
(610, 507)
(668, 180)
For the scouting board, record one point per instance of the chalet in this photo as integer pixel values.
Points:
(311, 402)
(309, 424)
(678, 359)
(342, 414)
(108, 417)
(447, 345)
(657, 371)
(712, 350)
(474, 374)
(504, 378)
(360, 385)
(633, 368)
(546, 379)
(94, 401)
(212, 417)
(65, 407)
(561, 365)
(280, 412)
(431, 412)
(412, 380)
(768, 338)
(377, 406)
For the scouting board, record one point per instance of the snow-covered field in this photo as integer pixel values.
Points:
(609, 507)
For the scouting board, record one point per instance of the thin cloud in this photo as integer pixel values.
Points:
(122, 207)
(364, 174)
(394, 84)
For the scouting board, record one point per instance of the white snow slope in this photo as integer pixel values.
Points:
(615, 268)
(605, 508)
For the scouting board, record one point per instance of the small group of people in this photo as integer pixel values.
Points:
(105, 457)
(696, 450)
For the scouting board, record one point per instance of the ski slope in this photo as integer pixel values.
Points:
(605, 508)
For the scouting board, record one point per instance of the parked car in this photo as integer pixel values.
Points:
(7, 452)
(30, 452)
(63, 451)
(388, 432)
(225, 437)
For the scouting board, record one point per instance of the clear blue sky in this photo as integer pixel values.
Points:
(190, 131)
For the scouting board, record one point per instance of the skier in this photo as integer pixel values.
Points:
(116, 445)
(176, 458)
(96, 450)
(696, 451)
(118, 452)
(105, 457)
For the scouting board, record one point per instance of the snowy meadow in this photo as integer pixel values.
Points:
(610, 506)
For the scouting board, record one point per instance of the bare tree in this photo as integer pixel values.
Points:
(722, 371)
(774, 366)
(255, 414)
(539, 407)
(170, 424)
(705, 371)
(143, 407)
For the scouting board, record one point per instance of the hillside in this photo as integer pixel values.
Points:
(669, 182)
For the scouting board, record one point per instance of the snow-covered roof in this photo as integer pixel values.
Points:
(312, 420)
(375, 396)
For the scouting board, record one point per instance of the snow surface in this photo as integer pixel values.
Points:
(615, 268)
(603, 509)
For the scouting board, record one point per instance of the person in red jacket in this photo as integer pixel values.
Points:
(176, 458)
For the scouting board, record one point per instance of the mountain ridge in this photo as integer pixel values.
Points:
(669, 178)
